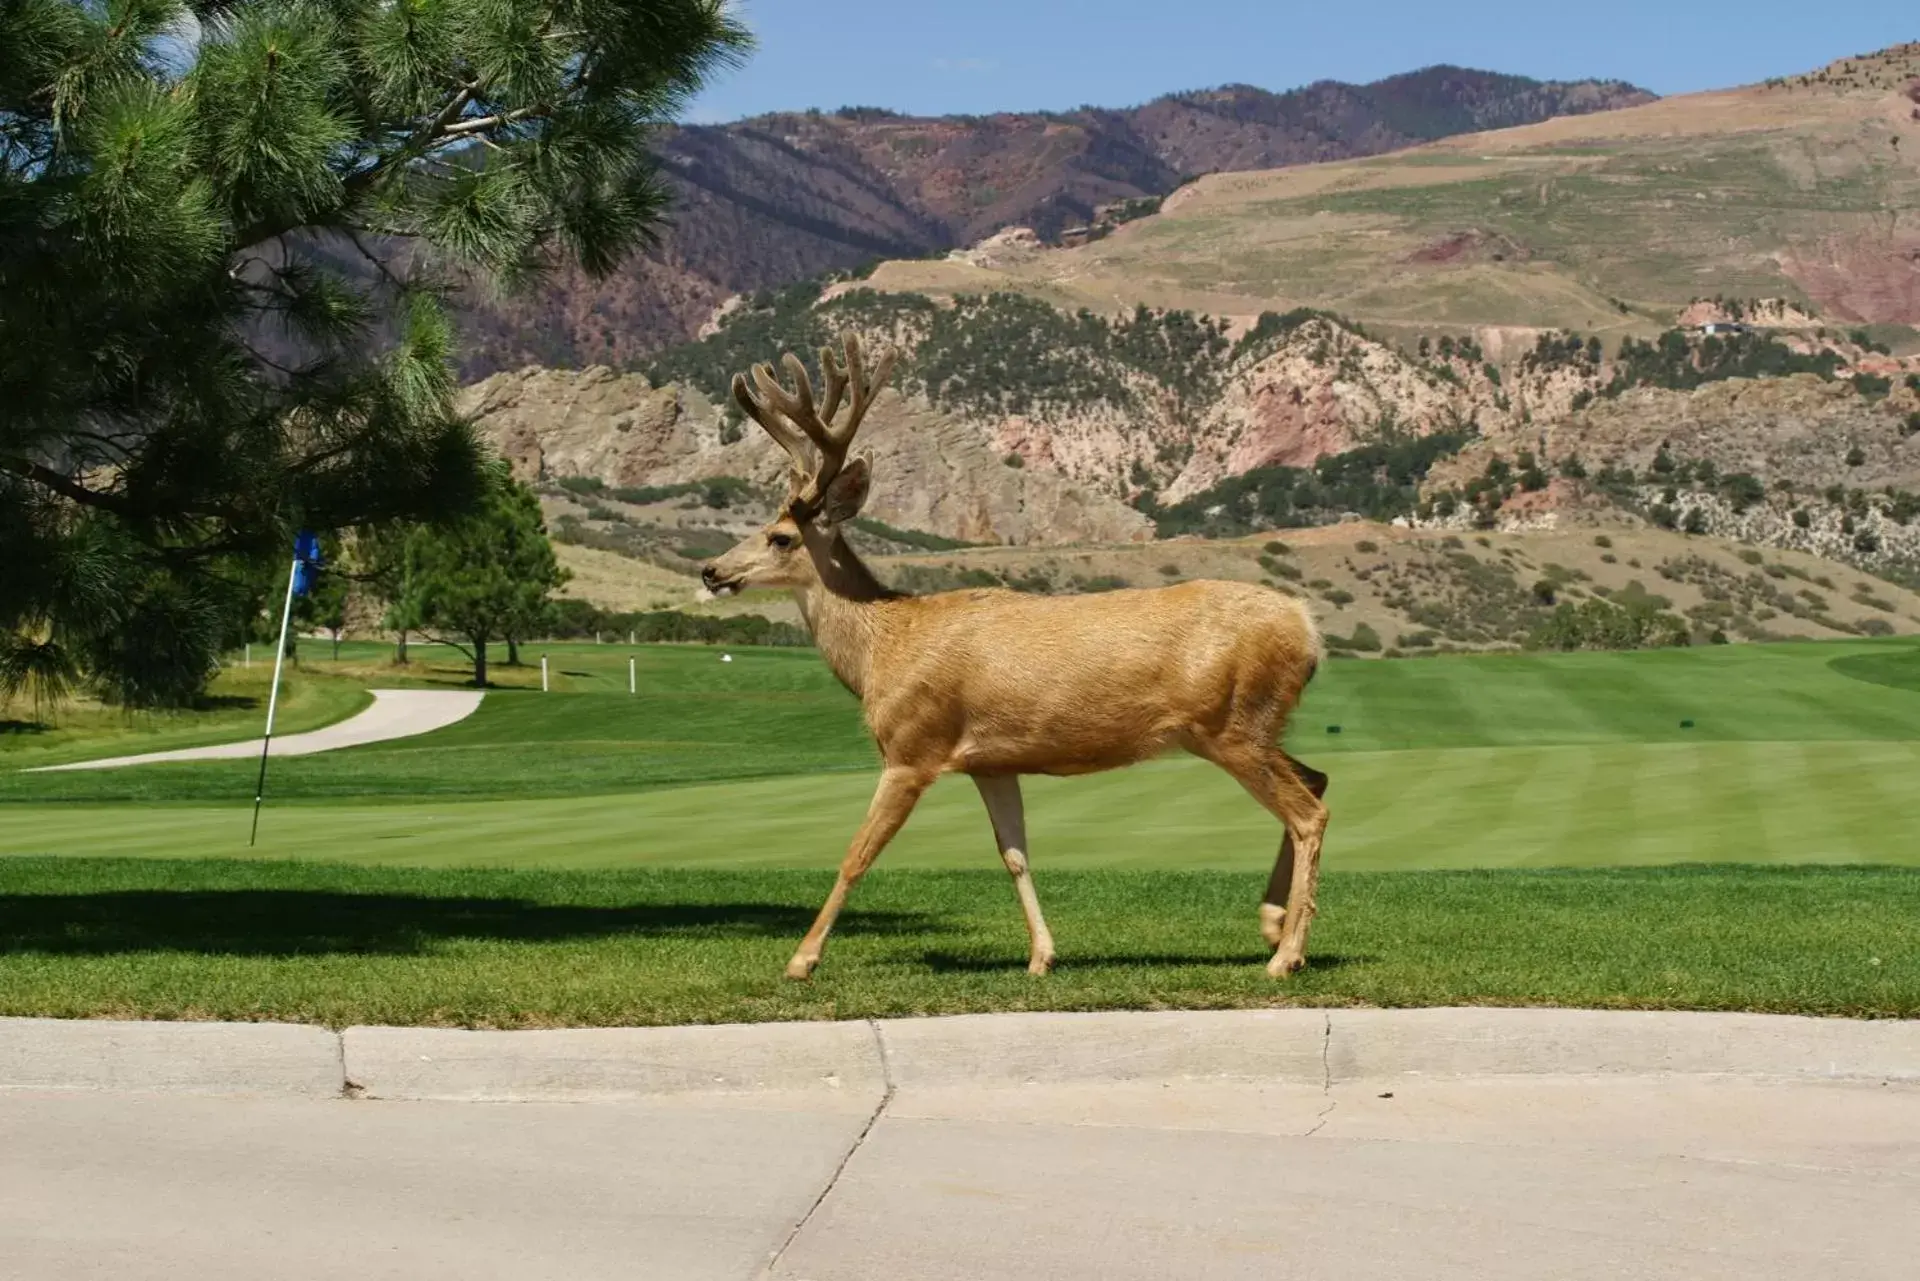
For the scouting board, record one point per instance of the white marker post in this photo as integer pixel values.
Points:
(633, 680)
(629, 638)
(273, 699)
(543, 673)
(248, 660)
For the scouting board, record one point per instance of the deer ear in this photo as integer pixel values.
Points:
(846, 494)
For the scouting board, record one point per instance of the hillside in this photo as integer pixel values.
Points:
(776, 199)
(1019, 426)
(1803, 190)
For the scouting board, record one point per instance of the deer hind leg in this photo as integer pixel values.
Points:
(1267, 773)
(899, 791)
(1002, 795)
(1273, 904)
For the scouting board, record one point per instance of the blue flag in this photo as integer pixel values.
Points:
(306, 558)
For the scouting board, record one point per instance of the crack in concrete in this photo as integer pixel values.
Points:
(886, 1098)
(1326, 1077)
(349, 1088)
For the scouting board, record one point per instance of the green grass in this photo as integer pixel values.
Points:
(1607, 804)
(544, 861)
(773, 712)
(338, 945)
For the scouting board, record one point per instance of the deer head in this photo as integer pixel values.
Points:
(824, 488)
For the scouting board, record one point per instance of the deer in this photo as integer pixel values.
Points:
(996, 684)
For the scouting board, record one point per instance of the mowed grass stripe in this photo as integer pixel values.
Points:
(342, 945)
(781, 713)
(1611, 803)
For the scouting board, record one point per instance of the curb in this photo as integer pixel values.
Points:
(1320, 1048)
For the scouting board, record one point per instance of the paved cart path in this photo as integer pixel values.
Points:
(396, 713)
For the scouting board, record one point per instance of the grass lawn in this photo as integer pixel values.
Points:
(340, 945)
(586, 856)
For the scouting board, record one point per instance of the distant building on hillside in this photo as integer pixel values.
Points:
(1725, 327)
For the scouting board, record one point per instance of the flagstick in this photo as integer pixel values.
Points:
(273, 700)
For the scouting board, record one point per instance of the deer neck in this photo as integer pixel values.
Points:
(841, 607)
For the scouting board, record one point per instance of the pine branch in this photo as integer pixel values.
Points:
(65, 486)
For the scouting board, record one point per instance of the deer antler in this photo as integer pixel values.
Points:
(782, 411)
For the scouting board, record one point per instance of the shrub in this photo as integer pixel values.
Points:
(1875, 627)
(1802, 518)
(581, 484)
(1608, 558)
(1170, 570)
(1014, 461)
(1366, 546)
(1337, 597)
(1543, 592)
(1696, 521)
(1856, 456)
(1601, 540)
(1274, 547)
(1751, 556)
(1364, 638)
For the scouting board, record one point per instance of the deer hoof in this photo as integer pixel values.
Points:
(1272, 920)
(1041, 964)
(801, 967)
(1284, 964)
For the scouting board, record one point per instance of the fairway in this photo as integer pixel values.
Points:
(1584, 829)
(1801, 753)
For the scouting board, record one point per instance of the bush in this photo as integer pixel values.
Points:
(581, 484)
(1696, 521)
(1543, 592)
(1337, 597)
(1170, 570)
(1601, 540)
(1364, 638)
(1802, 518)
(1856, 456)
(1014, 461)
(1875, 627)
(1274, 547)
(1366, 546)
(1751, 556)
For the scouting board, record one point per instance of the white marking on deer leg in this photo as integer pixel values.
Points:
(1004, 808)
(1273, 920)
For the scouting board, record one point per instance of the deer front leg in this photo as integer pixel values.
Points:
(1002, 795)
(900, 789)
(1273, 904)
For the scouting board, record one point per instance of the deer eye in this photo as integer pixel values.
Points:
(782, 541)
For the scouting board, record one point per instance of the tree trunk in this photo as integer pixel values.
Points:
(480, 661)
(513, 652)
(400, 650)
(336, 647)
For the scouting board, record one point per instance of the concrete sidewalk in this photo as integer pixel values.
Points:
(1344, 1143)
(396, 713)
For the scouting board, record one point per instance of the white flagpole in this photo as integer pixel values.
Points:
(273, 699)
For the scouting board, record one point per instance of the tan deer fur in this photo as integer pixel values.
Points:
(995, 684)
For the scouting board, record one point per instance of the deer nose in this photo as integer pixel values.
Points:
(709, 577)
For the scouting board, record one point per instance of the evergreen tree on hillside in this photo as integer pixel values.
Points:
(225, 227)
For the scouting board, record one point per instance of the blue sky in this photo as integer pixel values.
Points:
(939, 56)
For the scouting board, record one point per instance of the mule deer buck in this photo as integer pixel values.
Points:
(995, 684)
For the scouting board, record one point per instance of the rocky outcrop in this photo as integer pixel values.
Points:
(1801, 429)
(932, 471)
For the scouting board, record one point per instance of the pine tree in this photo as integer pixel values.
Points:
(227, 228)
(488, 577)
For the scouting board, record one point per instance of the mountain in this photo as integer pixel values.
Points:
(775, 199)
(1502, 332)
(1804, 190)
